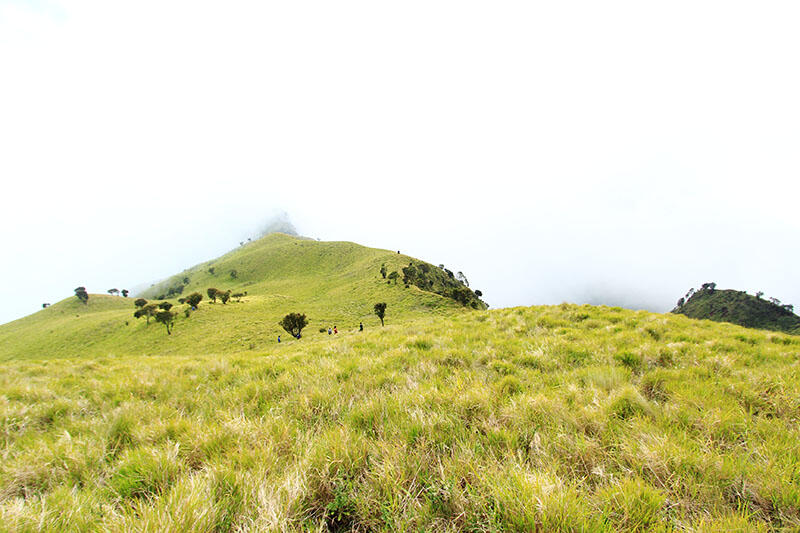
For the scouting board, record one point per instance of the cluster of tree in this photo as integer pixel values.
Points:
(213, 294)
(116, 292)
(711, 286)
(82, 295)
(162, 312)
(441, 281)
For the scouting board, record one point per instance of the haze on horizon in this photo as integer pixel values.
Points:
(617, 153)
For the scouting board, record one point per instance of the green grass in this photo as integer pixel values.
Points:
(562, 418)
(333, 283)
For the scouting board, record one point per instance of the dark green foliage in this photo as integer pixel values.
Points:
(212, 294)
(441, 281)
(45, 305)
(738, 307)
(167, 318)
(234, 274)
(82, 295)
(140, 302)
(224, 296)
(194, 299)
(479, 294)
(113, 292)
(181, 300)
(146, 311)
(383, 271)
(212, 271)
(165, 306)
(380, 310)
(238, 296)
(394, 276)
(186, 280)
(294, 323)
(125, 293)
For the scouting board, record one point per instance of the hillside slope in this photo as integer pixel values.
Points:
(333, 283)
(738, 307)
(562, 418)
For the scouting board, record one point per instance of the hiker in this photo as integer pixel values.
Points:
(360, 326)
(335, 331)
(279, 339)
(329, 330)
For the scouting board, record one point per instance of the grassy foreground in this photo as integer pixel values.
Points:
(560, 418)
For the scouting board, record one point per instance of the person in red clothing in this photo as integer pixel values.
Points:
(335, 331)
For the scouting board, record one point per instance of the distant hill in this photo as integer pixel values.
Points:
(333, 283)
(738, 307)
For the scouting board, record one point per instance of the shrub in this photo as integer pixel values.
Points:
(629, 403)
(632, 505)
(629, 359)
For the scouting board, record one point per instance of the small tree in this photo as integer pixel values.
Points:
(45, 305)
(759, 294)
(212, 294)
(167, 318)
(146, 311)
(380, 310)
(383, 270)
(294, 323)
(478, 294)
(82, 295)
(224, 296)
(462, 278)
(125, 293)
(194, 299)
(393, 276)
(113, 292)
(238, 296)
(186, 280)
(212, 271)
(140, 302)
(234, 274)
(166, 306)
(681, 301)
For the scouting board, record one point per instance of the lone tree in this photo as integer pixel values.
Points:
(478, 294)
(462, 278)
(294, 323)
(167, 318)
(383, 270)
(45, 305)
(234, 274)
(82, 295)
(194, 299)
(224, 296)
(113, 292)
(125, 293)
(380, 310)
(212, 270)
(212, 294)
(140, 302)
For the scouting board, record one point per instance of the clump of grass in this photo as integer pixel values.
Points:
(631, 505)
(145, 473)
(509, 385)
(628, 403)
(630, 360)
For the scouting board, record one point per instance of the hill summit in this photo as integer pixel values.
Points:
(738, 307)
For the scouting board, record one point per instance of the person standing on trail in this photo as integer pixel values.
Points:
(335, 331)
(279, 338)
(360, 326)
(329, 330)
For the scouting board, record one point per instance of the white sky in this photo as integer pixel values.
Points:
(610, 152)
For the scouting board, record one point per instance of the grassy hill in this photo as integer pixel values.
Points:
(333, 283)
(738, 307)
(553, 418)
(560, 418)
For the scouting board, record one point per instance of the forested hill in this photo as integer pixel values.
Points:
(740, 308)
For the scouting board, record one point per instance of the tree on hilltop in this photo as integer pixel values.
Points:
(140, 302)
(462, 278)
(294, 323)
(380, 310)
(113, 292)
(125, 293)
(82, 295)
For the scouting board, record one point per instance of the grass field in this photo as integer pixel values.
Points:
(560, 418)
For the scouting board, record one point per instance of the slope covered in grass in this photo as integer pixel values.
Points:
(738, 307)
(558, 418)
(333, 283)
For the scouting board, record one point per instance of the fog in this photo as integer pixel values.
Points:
(611, 154)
